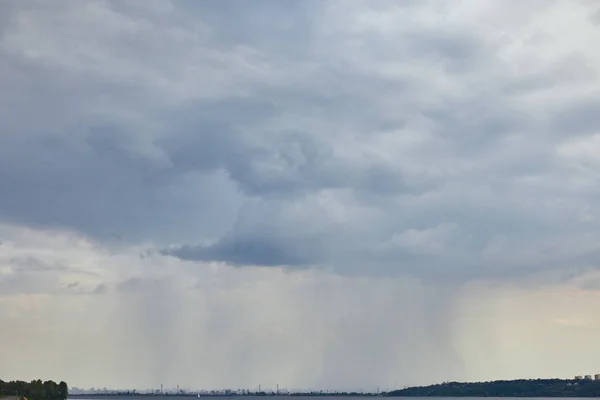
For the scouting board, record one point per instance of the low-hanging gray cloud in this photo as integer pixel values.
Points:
(365, 137)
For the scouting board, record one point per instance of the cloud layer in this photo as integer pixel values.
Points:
(430, 144)
(368, 137)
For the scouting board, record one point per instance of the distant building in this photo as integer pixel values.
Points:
(597, 377)
(578, 377)
(588, 377)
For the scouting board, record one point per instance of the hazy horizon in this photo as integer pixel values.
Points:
(159, 390)
(338, 194)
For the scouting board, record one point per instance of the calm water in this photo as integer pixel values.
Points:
(141, 397)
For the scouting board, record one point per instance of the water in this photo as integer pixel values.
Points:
(142, 397)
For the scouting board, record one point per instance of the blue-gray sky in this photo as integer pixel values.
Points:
(237, 180)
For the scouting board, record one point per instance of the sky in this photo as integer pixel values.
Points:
(336, 194)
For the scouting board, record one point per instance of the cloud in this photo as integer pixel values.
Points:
(160, 320)
(244, 250)
(416, 122)
(31, 264)
(334, 148)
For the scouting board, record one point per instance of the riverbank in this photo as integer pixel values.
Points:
(514, 388)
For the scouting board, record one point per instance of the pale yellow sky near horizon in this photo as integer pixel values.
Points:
(395, 331)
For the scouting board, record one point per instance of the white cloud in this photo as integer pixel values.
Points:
(584, 150)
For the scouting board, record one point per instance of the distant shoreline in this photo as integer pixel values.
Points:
(520, 388)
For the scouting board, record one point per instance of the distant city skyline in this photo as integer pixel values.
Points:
(275, 389)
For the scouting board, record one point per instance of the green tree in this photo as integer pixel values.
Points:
(51, 390)
(36, 390)
(63, 390)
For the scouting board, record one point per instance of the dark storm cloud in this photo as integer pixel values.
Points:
(360, 135)
(100, 289)
(272, 251)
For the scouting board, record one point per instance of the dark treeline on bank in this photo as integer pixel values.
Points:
(35, 390)
(515, 388)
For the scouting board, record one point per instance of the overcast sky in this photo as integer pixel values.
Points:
(317, 193)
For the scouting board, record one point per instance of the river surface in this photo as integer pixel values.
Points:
(142, 397)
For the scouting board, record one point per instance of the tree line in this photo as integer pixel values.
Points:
(35, 390)
(515, 388)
